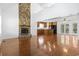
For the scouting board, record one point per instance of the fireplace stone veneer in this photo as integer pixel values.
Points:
(24, 18)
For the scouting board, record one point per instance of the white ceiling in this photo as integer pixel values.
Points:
(37, 7)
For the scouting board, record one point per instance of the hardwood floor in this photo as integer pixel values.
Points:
(45, 45)
(56, 45)
(24, 46)
(9, 47)
(15, 47)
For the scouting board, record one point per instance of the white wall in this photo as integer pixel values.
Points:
(57, 10)
(33, 26)
(10, 20)
(69, 20)
(0, 22)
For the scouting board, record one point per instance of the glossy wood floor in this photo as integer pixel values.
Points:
(45, 45)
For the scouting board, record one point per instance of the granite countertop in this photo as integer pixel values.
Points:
(43, 28)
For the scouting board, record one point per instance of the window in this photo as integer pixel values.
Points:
(75, 27)
(67, 28)
(62, 28)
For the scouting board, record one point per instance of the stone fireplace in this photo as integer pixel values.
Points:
(24, 18)
(24, 30)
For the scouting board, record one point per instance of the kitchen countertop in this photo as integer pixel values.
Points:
(43, 28)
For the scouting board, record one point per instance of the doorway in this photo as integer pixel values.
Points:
(53, 26)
